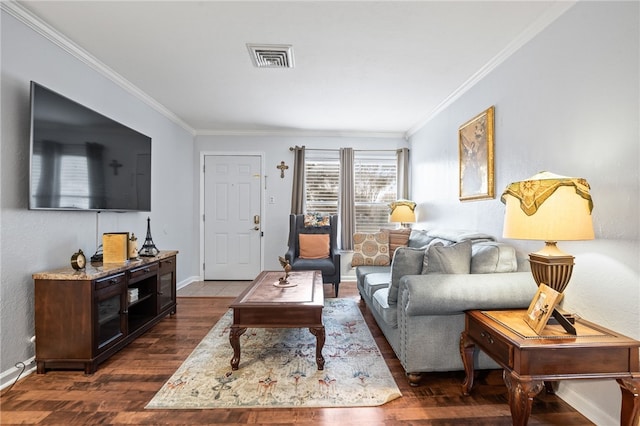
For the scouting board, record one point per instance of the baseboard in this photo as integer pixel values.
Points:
(585, 406)
(187, 281)
(9, 377)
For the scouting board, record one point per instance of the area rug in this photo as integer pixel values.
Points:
(278, 368)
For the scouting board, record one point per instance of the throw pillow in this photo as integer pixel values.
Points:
(407, 261)
(489, 257)
(398, 238)
(314, 246)
(452, 259)
(316, 220)
(370, 249)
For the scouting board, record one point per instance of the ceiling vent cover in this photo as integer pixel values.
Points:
(271, 55)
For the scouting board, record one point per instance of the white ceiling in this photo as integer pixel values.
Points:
(360, 66)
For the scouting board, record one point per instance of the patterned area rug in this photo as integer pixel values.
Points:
(278, 368)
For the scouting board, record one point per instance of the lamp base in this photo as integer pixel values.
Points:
(554, 271)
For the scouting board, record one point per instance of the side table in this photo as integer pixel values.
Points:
(529, 359)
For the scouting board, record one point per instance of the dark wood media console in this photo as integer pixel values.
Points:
(84, 317)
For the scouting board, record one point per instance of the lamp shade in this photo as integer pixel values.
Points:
(548, 207)
(402, 211)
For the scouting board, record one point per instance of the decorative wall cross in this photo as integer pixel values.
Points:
(115, 165)
(282, 168)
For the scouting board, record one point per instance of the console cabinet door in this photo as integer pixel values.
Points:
(110, 314)
(167, 285)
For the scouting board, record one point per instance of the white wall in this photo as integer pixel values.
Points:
(567, 102)
(276, 149)
(35, 241)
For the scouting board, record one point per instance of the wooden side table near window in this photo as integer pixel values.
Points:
(530, 359)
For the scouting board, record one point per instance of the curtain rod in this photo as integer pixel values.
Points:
(291, 148)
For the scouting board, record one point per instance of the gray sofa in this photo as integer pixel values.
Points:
(419, 300)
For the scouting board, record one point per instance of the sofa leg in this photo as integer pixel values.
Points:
(336, 285)
(414, 378)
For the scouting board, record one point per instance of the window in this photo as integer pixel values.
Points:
(375, 181)
(375, 177)
(322, 182)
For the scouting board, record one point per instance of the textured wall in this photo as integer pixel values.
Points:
(34, 241)
(276, 149)
(567, 102)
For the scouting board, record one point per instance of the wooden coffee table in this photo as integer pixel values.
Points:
(264, 305)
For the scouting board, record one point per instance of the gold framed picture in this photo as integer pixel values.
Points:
(475, 145)
(541, 307)
(115, 247)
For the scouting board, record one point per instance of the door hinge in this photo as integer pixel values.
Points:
(203, 218)
(203, 266)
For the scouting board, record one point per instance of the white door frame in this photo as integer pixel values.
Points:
(203, 154)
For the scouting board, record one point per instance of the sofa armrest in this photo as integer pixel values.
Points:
(446, 294)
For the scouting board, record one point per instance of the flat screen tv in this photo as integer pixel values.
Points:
(82, 160)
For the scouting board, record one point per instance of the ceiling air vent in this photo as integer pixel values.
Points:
(271, 55)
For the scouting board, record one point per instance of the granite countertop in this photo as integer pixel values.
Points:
(98, 270)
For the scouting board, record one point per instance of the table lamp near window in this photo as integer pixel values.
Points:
(550, 208)
(403, 212)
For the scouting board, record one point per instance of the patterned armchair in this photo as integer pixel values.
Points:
(314, 247)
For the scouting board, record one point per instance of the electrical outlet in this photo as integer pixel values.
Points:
(272, 200)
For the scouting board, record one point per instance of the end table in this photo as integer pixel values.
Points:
(529, 359)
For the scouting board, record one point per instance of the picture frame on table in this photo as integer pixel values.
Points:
(541, 307)
(475, 147)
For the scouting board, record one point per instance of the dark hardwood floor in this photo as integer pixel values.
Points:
(122, 386)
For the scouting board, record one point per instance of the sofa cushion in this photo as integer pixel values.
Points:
(387, 311)
(419, 238)
(398, 238)
(370, 249)
(452, 259)
(314, 246)
(374, 282)
(363, 271)
(407, 261)
(491, 256)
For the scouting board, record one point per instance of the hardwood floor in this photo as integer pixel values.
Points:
(122, 386)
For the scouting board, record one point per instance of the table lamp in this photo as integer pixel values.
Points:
(550, 208)
(403, 212)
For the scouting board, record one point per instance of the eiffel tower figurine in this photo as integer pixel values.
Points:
(148, 248)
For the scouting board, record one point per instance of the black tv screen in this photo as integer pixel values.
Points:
(82, 160)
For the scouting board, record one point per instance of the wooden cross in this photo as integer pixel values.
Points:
(114, 163)
(282, 168)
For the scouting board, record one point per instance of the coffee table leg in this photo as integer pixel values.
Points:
(234, 339)
(319, 333)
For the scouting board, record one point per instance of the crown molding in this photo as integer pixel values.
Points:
(25, 16)
(303, 133)
(529, 33)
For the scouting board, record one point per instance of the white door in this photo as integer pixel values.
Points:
(232, 220)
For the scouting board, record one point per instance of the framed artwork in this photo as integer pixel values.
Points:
(475, 145)
(541, 307)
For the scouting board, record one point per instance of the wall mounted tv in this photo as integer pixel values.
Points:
(82, 160)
